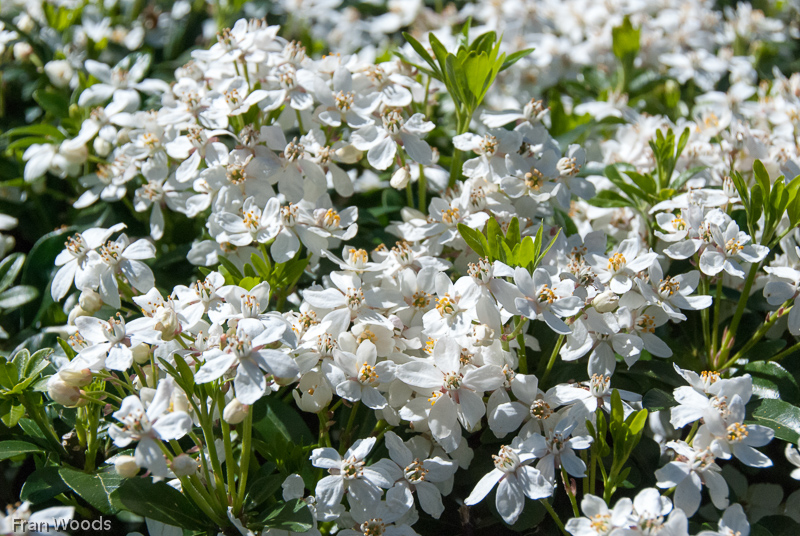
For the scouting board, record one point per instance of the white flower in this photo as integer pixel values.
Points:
(348, 473)
(733, 522)
(546, 300)
(619, 268)
(149, 426)
(688, 472)
(727, 248)
(108, 340)
(420, 476)
(381, 142)
(515, 479)
(793, 456)
(122, 256)
(357, 376)
(78, 259)
(246, 351)
(557, 449)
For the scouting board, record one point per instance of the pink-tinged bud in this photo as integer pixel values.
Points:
(76, 378)
(63, 393)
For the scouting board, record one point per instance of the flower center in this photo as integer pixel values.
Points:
(540, 409)
(736, 432)
(415, 472)
(445, 305)
(669, 286)
(420, 300)
(506, 460)
(373, 527)
(352, 468)
(616, 262)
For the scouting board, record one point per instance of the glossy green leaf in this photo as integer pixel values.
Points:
(96, 489)
(44, 484)
(782, 417)
(160, 501)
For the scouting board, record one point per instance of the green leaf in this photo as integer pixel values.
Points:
(263, 484)
(17, 297)
(511, 59)
(472, 238)
(160, 501)
(771, 380)
(761, 175)
(231, 268)
(609, 199)
(44, 484)
(96, 489)
(41, 129)
(625, 39)
(658, 400)
(248, 283)
(68, 350)
(10, 269)
(292, 516)
(54, 103)
(782, 417)
(419, 49)
(13, 448)
(13, 416)
(260, 266)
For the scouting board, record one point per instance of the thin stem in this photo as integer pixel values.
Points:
(554, 515)
(737, 316)
(521, 350)
(230, 463)
(704, 316)
(244, 467)
(552, 360)
(345, 440)
(568, 489)
(715, 327)
(422, 188)
(789, 351)
(409, 195)
(757, 336)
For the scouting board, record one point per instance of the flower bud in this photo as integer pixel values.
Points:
(63, 393)
(400, 178)
(126, 466)
(235, 412)
(75, 378)
(25, 23)
(183, 465)
(59, 72)
(605, 302)
(167, 322)
(408, 214)
(313, 392)
(102, 146)
(348, 154)
(483, 335)
(76, 312)
(141, 353)
(90, 300)
(22, 51)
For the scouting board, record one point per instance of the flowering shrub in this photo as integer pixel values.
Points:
(393, 270)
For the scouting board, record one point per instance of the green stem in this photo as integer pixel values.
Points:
(40, 418)
(554, 515)
(568, 489)
(757, 336)
(789, 351)
(92, 444)
(345, 440)
(704, 316)
(230, 463)
(737, 316)
(715, 327)
(409, 195)
(244, 467)
(521, 351)
(552, 360)
(422, 189)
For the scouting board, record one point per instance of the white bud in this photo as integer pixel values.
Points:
(126, 466)
(348, 154)
(141, 353)
(179, 401)
(59, 72)
(408, 214)
(63, 393)
(235, 412)
(76, 312)
(400, 178)
(90, 300)
(167, 322)
(605, 302)
(102, 146)
(183, 465)
(22, 51)
(25, 23)
(75, 378)
(483, 335)
(313, 393)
